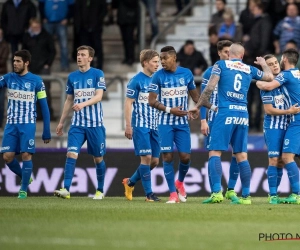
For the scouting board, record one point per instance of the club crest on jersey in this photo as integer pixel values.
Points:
(286, 142)
(27, 85)
(89, 81)
(31, 142)
(181, 81)
(102, 79)
(259, 73)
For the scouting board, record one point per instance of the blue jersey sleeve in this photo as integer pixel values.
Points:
(132, 90)
(101, 82)
(155, 84)
(69, 88)
(191, 83)
(216, 70)
(281, 78)
(266, 97)
(256, 73)
(3, 80)
(205, 79)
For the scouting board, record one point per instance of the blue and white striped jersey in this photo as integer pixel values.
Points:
(277, 98)
(213, 98)
(290, 79)
(172, 90)
(82, 85)
(234, 83)
(143, 115)
(22, 93)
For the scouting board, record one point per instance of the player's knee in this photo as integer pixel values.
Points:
(241, 157)
(72, 155)
(287, 158)
(97, 160)
(154, 163)
(8, 157)
(273, 161)
(185, 158)
(280, 163)
(26, 156)
(167, 157)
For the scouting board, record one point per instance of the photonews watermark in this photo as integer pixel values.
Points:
(278, 236)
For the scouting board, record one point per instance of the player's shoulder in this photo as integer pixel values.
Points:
(74, 73)
(207, 72)
(96, 71)
(33, 77)
(6, 76)
(181, 69)
(136, 78)
(140, 75)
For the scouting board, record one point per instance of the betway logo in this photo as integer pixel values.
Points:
(49, 181)
(174, 92)
(20, 95)
(84, 93)
(143, 98)
(195, 180)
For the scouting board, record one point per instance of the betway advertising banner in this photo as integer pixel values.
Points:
(49, 171)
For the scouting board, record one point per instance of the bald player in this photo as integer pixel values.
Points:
(233, 78)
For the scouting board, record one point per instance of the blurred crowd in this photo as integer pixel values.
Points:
(264, 27)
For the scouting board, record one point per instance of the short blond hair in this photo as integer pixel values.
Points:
(146, 55)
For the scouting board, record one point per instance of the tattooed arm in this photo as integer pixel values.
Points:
(205, 95)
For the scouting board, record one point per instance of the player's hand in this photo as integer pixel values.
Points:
(128, 132)
(193, 113)
(59, 129)
(78, 106)
(260, 61)
(204, 128)
(295, 109)
(178, 111)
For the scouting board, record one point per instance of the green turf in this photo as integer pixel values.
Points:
(114, 223)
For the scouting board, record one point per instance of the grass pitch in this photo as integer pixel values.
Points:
(115, 223)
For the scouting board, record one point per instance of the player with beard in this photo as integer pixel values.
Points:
(23, 90)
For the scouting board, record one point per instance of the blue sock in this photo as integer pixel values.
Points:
(134, 178)
(100, 170)
(69, 172)
(183, 169)
(293, 174)
(245, 175)
(26, 173)
(169, 175)
(234, 172)
(215, 172)
(272, 180)
(279, 176)
(146, 178)
(14, 166)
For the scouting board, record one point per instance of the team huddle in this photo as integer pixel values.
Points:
(156, 115)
